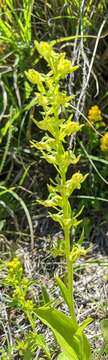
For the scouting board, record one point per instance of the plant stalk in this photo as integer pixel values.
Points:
(69, 273)
(69, 265)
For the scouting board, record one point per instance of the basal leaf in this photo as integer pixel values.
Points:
(58, 321)
(75, 347)
(62, 327)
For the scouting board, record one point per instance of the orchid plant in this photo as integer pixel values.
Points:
(57, 124)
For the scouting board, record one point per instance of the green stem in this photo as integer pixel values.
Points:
(66, 216)
(69, 273)
(69, 265)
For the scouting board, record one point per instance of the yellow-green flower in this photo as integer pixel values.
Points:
(14, 264)
(104, 142)
(94, 114)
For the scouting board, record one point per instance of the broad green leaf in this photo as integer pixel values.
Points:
(58, 321)
(86, 348)
(68, 350)
(65, 332)
(75, 346)
(64, 291)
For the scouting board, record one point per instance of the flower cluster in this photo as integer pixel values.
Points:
(14, 264)
(94, 114)
(15, 271)
(104, 142)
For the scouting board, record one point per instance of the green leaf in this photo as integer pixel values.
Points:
(64, 291)
(84, 348)
(84, 324)
(62, 327)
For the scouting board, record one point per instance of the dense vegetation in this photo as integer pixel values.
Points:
(53, 177)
